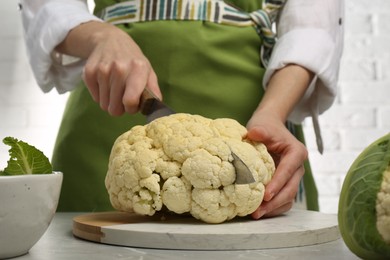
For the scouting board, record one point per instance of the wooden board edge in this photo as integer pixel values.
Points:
(88, 226)
(87, 232)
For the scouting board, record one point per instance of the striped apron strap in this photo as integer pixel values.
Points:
(264, 20)
(216, 11)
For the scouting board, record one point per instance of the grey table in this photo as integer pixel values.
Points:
(58, 243)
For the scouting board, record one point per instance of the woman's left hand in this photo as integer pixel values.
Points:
(289, 155)
(267, 125)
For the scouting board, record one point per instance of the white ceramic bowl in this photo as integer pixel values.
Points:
(27, 206)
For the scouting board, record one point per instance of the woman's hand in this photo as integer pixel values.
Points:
(267, 125)
(116, 71)
(289, 155)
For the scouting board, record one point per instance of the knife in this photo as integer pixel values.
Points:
(152, 107)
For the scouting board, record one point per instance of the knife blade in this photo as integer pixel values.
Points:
(243, 174)
(152, 107)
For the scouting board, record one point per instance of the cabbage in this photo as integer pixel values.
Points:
(356, 212)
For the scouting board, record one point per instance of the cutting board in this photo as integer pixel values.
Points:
(295, 228)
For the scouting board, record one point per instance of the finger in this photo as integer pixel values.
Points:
(286, 195)
(289, 164)
(152, 84)
(282, 209)
(274, 146)
(103, 78)
(135, 83)
(259, 134)
(286, 207)
(89, 77)
(118, 77)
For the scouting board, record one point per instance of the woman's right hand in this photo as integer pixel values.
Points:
(116, 70)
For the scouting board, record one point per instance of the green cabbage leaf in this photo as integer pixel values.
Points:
(25, 159)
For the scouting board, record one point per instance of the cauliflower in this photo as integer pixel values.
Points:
(383, 207)
(364, 205)
(184, 162)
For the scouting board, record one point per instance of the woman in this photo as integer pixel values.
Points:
(199, 65)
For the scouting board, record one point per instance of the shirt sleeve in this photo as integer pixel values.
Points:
(46, 24)
(310, 34)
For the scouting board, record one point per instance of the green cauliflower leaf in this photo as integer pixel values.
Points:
(357, 213)
(25, 159)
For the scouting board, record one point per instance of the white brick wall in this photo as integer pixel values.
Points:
(360, 115)
(25, 112)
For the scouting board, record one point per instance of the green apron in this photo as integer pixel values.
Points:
(203, 68)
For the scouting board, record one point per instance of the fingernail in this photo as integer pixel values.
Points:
(269, 197)
(258, 214)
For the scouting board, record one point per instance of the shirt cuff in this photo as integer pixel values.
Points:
(316, 53)
(57, 18)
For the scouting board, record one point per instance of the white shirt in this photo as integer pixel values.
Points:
(310, 34)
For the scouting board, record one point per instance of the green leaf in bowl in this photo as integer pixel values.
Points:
(25, 159)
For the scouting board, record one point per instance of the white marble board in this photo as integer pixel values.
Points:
(295, 228)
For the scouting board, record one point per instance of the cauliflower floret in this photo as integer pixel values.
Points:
(167, 168)
(246, 198)
(204, 170)
(228, 128)
(184, 162)
(383, 207)
(177, 189)
(148, 199)
(211, 205)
